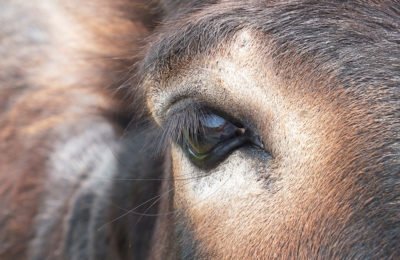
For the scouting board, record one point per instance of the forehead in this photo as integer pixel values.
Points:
(353, 39)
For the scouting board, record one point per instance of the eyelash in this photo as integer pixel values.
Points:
(183, 118)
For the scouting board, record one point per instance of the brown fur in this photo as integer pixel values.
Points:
(61, 64)
(317, 81)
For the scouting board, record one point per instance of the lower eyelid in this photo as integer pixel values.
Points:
(219, 153)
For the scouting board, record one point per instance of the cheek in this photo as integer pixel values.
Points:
(238, 177)
(224, 205)
(247, 208)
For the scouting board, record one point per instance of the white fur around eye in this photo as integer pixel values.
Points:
(236, 177)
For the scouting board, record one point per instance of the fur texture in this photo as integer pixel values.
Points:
(88, 91)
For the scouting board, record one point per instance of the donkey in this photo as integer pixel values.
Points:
(244, 130)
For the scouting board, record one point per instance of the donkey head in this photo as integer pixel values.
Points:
(283, 125)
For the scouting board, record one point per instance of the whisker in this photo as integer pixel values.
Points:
(152, 204)
(132, 211)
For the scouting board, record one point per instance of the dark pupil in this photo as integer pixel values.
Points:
(212, 131)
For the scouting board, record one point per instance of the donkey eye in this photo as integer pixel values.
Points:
(214, 139)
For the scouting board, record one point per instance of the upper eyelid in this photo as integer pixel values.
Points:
(178, 105)
(169, 102)
(201, 107)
